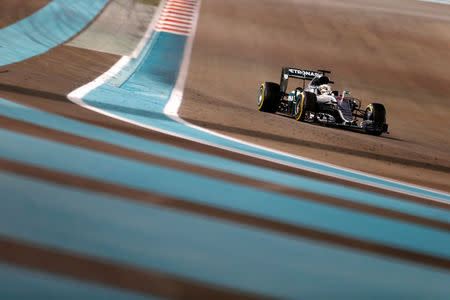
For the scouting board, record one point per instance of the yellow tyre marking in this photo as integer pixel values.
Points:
(369, 107)
(262, 95)
(301, 107)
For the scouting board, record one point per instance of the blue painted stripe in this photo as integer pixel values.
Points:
(203, 248)
(158, 73)
(173, 183)
(143, 96)
(47, 28)
(27, 114)
(18, 283)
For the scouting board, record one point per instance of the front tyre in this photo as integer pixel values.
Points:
(268, 98)
(306, 103)
(375, 119)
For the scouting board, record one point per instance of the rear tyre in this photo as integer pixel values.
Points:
(375, 118)
(269, 97)
(306, 103)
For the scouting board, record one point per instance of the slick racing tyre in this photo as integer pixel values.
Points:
(268, 98)
(375, 118)
(306, 103)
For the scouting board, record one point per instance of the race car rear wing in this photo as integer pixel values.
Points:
(287, 72)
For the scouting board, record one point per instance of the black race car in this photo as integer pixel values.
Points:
(316, 102)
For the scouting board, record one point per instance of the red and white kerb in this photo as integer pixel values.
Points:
(177, 16)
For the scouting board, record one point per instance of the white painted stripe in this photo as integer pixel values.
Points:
(170, 15)
(176, 30)
(182, 3)
(179, 7)
(175, 19)
(77, 95)
(188, 5)
(148, 33)
(173, 31)
(437, 1)
(169, 27)
(172, 107)
(185, 1)
(180, 12)
(175, 25)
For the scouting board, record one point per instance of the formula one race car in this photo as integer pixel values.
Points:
(318, 103)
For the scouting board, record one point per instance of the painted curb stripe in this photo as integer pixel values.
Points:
(54, 122)
(168, 14)
(96, 270)
(175, 21)
(294, 231)
(178, 11)
(161, 180)
(172, 30)
(19, 283)
(49, 27)
(201, 248)
(89, 144)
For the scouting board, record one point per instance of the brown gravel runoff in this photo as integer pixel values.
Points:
(12, 11)
(393, 53)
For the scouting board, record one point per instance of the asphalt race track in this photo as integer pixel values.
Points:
(135, 165)
(392, 52)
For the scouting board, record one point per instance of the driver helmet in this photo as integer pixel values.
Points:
(325, 89)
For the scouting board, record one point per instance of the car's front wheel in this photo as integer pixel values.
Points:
(375, 119)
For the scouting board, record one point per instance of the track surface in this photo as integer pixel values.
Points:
(395, 53)
(159, 236)
(11, 12)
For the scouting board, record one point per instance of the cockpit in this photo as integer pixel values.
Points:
(318, 81)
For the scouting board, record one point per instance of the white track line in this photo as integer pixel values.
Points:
(174, 103)
(437, 1)
(171, 15)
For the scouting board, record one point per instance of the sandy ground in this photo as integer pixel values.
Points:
(392, 53)
(11, 12)
(119, 29)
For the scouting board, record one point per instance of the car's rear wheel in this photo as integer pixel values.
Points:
(268, 98)
(375, 118)
(306, 104)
